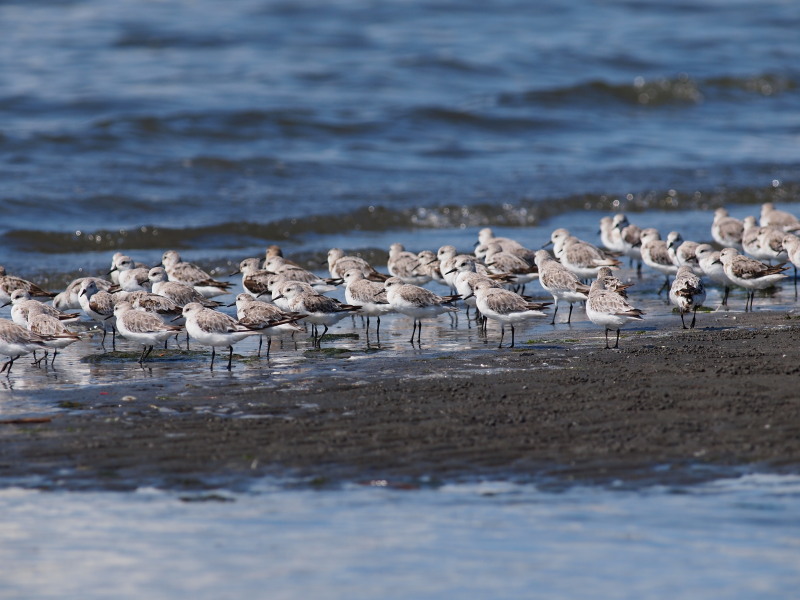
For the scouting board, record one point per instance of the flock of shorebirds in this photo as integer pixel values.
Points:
(151, 305)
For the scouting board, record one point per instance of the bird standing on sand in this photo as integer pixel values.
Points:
(687, 293)
(505, 307)
(609, 310)
(417, 303)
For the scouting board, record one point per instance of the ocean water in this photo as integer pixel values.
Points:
(732, 538)
(218, 128)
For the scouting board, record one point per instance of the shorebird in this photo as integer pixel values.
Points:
(609, 310)
(267, 319)
(792, 245)
(416, 302)
(143, 327)
(279, 266)
(429, 267)
(190, 274)
(339, 262)
(562, 283)
(506, 307)
(655, 255)
(316, 308)
(772, 217)
(749, 273)
(405, 265)
(500, 262)
(687, 293)
(466, 275)
(708, 260)
(369, 296)
(52, 330)
(209, 327)
(630, 237)
(255, 280)
(726, 230)
(21, 304)
(751, 239)
(180, 293)
(580, 257)
(612, 282)
(16, 341)
(9, 283)
(98, 306)
(68, 299)
(130, 277)
(275, 250)
(682, 252)
(610, 235)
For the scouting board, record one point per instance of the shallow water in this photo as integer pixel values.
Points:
(729, 538)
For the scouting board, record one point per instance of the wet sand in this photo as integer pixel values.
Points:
(669, 404)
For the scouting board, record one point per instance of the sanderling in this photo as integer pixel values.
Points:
(429, 267)
(416, 302)
(609, 310)
(209, 327)
(370, 296)
(405, 265)
(726, 230)
(339, 262)
(562, 283)
(279, 266)
(749, 273)
(255, 280)
(466, 277)
(682, 252)
(486, 236)
(792, 245)
(708, 260)
(772, 217)
(16, 341)
(158, 305)
(267, 319)
(610, 235)
(131, 278)
(9, 283)
(612, 282)
(68, 299)
(275, 250)
(580, 257)
(22, 303)
(687, 293)
(190, 274)
(180, 293)
(142, 327)
(770, 241)
(655, 255)
(630, 237)
(98, 306)
(54, 332)
(751, 239)
(500, 262)
(506, 307)
(316, 308)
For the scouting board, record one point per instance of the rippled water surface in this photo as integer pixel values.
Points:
(731, 538)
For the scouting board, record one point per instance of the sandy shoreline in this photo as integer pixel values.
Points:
(670, 403)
